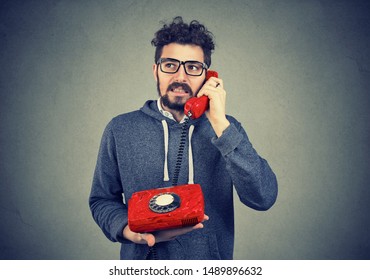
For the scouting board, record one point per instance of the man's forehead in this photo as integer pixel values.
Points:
(183, 52)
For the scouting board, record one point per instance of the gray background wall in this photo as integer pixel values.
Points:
(297, 76)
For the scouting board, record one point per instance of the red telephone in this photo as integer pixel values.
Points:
(166, 208)
(195, 106)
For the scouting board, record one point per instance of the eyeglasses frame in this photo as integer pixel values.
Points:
(162, 59)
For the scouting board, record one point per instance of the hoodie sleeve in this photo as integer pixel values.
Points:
(106, 201)
(252, 176)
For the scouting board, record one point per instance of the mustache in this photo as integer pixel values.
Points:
(184, 86)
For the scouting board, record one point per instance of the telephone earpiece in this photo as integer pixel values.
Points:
(196, 106)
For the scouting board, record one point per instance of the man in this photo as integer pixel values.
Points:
(139, 151)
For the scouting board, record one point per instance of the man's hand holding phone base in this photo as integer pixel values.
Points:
(159, 236)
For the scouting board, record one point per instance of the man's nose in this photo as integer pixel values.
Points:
(181, 75)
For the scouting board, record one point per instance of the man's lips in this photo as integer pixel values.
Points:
(180, 89)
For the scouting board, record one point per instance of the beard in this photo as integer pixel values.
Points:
(178, 102)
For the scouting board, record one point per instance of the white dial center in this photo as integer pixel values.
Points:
(164, 199)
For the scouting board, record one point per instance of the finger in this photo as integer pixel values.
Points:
(208, 90)
(220, 84)
(215, 82)
(216, 87)
(197, 226)
(181, 231)
(148, 238)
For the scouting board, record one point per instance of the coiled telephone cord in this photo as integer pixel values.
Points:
(152, 252)
(180, 153)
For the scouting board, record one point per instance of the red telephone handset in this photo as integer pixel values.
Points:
(196, 106)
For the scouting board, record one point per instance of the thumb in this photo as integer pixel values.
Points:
(149, 239)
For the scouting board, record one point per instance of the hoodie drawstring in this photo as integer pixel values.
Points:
(190, 151)
(191, 163)
(165, 168)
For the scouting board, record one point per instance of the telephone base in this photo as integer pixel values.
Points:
(166, 208)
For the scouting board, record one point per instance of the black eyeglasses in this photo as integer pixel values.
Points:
(171, 66)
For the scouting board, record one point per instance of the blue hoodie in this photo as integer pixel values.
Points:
(138, 151)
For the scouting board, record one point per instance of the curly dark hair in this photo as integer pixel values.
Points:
(182, 33)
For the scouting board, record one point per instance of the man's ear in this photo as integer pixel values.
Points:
(155, 66)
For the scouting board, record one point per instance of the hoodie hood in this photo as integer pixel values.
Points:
(150, 108)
